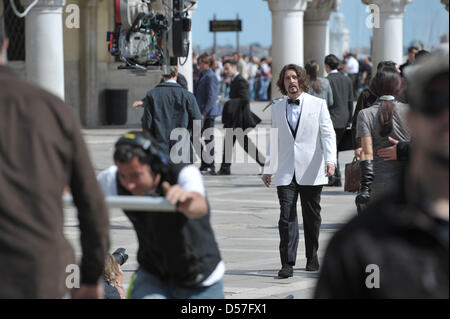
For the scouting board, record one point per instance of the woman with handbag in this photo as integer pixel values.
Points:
(386, 118)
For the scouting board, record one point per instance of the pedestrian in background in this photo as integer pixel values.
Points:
(167, 107)
(386, 118)
(366, 99)
(412, 52)
(342, 109)
(318, 87)
(206, 92)
(237, 115)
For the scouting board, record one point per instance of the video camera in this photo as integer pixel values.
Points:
(150, 33)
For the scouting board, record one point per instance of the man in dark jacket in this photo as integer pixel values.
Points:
(236, 114)
(342, 109)
(41, 151)
(206, 92)
(412, 52)
(399, 246)
(168, 107)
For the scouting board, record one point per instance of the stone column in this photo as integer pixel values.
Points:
(339, 36)
(317, 34)
(287, 35)
(388, 35)
(89, 96)
(187, 69)
(44, 59)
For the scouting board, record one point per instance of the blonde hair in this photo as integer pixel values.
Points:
(173, 73)
(111, 269)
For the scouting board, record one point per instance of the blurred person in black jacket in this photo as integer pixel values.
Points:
(399, 246)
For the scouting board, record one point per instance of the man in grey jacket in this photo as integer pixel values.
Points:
(342, 109)
(167, 107)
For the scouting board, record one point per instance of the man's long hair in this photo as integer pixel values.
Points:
(301, 77)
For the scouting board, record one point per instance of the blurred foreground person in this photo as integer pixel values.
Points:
(178, 255)
(398, 248)
(41, 151)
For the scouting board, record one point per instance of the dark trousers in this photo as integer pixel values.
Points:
(208, 123)
(339, 136)
(228, 154)
(288, 223)
(355, 84)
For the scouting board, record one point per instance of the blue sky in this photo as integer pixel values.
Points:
(256, 19)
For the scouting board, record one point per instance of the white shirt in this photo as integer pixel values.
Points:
(190, 179)
(294, 111)
(353, 65)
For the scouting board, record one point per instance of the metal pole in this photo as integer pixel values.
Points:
(133, 203)
(215, 37)
(237, 36)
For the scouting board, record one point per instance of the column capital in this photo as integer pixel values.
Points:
(45, 3)
(193, 8)
(445, 3)
(389, 6)
(288, 5)
(320, 10)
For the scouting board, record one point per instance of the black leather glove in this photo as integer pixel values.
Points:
(366, 181)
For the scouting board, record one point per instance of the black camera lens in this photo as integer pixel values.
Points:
(120, 256)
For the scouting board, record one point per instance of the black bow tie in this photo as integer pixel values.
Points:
(291, 101)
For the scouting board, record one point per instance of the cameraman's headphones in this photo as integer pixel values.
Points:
(157, 160)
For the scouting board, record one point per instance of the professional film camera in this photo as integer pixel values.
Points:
(150, 33)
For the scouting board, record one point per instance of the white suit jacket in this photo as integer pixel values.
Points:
(307, 152)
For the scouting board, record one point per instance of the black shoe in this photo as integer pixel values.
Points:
(224, 171)
(286, 271)
(208, 171)
(312, 264)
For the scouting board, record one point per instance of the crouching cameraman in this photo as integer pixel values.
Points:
(178, 255)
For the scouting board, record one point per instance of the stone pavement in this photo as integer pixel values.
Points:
(245, 220)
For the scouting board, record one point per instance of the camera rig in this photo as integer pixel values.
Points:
(150, 34)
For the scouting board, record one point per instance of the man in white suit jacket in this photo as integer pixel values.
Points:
(302, 161)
